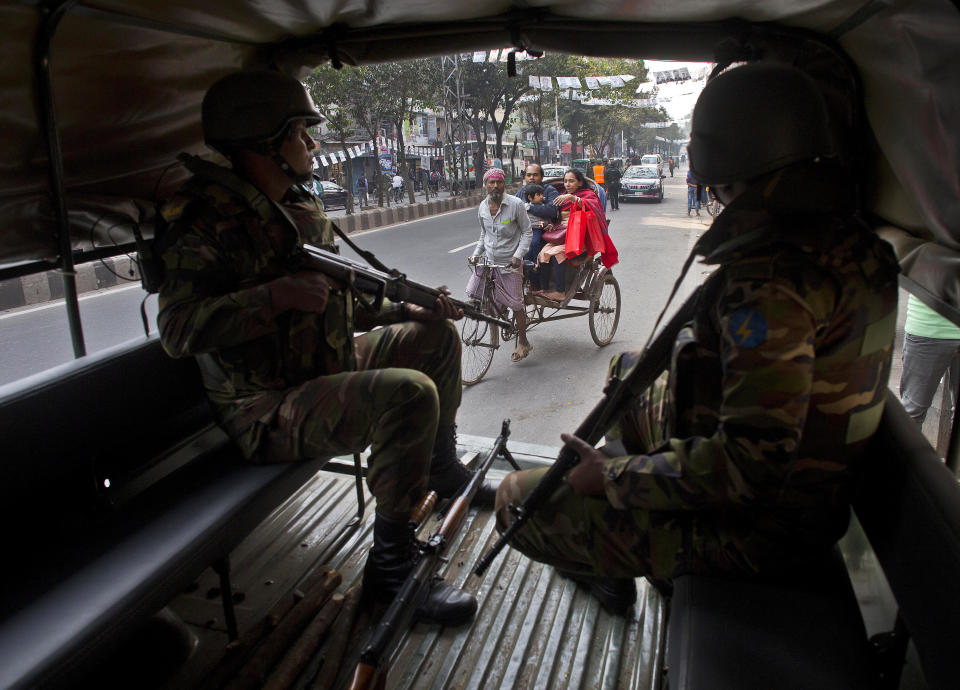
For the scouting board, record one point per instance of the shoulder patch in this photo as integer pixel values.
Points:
(173, 209)
(748, 328)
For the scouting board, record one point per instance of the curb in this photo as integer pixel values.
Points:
(96, 275)
(382, 217)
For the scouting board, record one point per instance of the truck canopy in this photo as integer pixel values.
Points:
(126, 80)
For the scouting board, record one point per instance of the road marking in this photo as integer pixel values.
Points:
(460, 249)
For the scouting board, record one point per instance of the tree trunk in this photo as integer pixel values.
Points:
(348, 182)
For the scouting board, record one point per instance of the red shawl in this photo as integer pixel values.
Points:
(608, 252)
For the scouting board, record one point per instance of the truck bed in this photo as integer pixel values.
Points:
(534, 629)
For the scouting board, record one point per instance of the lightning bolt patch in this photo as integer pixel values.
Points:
(748, 328)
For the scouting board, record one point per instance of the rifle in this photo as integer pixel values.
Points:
(618, 389)
(400, 612)
(390, 284)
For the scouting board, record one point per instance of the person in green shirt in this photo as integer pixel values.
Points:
(931, 347)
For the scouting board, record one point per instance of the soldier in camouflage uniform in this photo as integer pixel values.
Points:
(275, 343)
(741, 458)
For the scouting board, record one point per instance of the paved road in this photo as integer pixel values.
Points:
(549, 392)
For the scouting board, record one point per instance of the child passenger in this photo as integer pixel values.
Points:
(536, 211)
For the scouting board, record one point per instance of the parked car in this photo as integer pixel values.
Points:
(653, 159)
(642, 182)
(334, 196)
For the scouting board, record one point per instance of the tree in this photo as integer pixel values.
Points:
(598, 114)
(329, 88)
(536, 107)
(412, 86)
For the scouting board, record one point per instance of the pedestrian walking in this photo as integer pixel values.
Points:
(693, 193)
(362, 189)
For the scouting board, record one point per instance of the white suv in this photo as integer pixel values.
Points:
(653, 159)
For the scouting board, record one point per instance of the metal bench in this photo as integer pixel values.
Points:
(118, 491)
(807, 631)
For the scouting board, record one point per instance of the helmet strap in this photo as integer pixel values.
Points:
(275, 156)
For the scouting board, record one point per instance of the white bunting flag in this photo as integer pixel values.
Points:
(342, 157)
(546, 84)
(357, 150)
(568, 82)
(323, 161)
(534, 81)
(480, 56)
(591, 82)
(351, 153)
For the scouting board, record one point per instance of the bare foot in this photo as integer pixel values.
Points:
(521, 352)
(555, 295)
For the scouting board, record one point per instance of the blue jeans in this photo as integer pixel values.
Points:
(925, 361)
(692, 199)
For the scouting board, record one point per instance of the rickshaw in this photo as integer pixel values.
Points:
(592, 291)
(101, 96)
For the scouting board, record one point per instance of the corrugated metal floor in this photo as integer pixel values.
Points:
(533, 629)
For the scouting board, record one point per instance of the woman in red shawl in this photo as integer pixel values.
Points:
(577, 193)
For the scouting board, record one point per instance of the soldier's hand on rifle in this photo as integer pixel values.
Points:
(515, 261)
(306, 291)
(443, 308)
(587, 477)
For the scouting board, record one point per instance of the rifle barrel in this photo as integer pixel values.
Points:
(393, 286)
(400, 612)
(655, 359)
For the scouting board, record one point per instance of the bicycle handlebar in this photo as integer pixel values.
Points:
(486, 263)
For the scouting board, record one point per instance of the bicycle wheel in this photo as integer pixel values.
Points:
(480, 340)
(714, 207)
(605, 310)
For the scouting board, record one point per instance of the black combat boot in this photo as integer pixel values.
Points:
(615, 594)
(448, 475)
(390, 561)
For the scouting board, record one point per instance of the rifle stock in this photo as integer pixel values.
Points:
(655, 359)
(393, 285)
(400, 612)
(364, 676)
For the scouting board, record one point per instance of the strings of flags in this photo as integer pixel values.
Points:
(546, 83)
(382, 145)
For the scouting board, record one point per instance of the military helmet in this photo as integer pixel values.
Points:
(756, 119)
(252, 106)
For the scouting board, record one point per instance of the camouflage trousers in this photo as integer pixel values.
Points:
(407, 381)
(587, 534)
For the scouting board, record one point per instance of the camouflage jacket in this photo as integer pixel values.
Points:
(781, 378)
(215, 302)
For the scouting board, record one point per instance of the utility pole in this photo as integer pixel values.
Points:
(556, 116)
(452, 104)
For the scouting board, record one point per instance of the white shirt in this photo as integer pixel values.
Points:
(505, 235)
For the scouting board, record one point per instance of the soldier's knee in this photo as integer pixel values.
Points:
(415, 391)
(444, 333)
